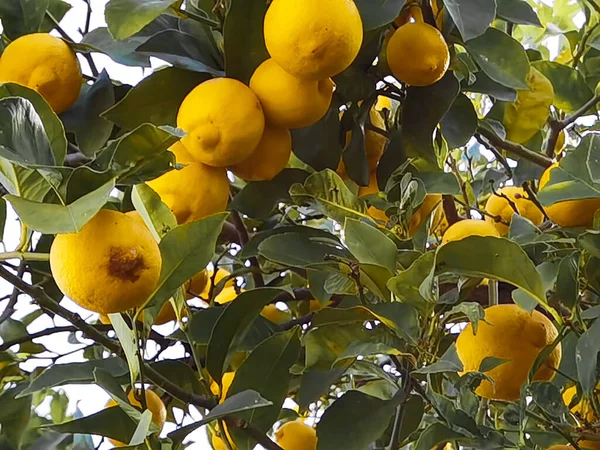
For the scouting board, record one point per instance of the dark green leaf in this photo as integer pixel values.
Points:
(472, 17)
(548, 397)
(126, 17)
(473, 311)
(369, 245)
(436, 434)
(485, 85)
(438, 182)
(490, 362)
(460, 122)
(586, 356)
(12, 329)
(570, 89)
(21, 17)
(567, 286)
(379, 13)
(517, 11)
(14, 415)
(406, 284)
(114, 389)
(316, 383)
(122, 52)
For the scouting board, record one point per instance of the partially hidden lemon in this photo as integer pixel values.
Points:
(196, 286)
(500, 207)
(373, 188)
(193, 192)
(275, 315)
(417, 53)
(469, 227)
(583, 409)
(223, 120)
(313, 39)
(269, 158)
(227, 294)
(288, 101)
(111, 265)
(431, 202)
(571, 213)
(511, 333)
(155, 406)
(226, 381)
(218, 444)
(563, 447)
(45, 64)
(165, 315)
(296, 435)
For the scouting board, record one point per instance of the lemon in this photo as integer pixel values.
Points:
(499, 206)
(269, 158)
(218, 443)
(223, 120)
(165, 315)
(469, 227)
(155, 406)
(417, 53)
(514, 334)
(110, 266)
(373, 188)
(313, 39)
(583, 409)
(296, 435)
(196, 286)
(227, 294)
(571, 213)
(275, 315)
(561, 141)
(226, 381)
(288, 101)
(431, 202)
(45, 64)
(564, 447)
(194, 192)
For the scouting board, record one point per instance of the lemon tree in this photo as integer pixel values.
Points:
(312, 225)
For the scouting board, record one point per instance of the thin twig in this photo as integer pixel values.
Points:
(12, 300)
(244, 238)
(501, 159)
(204, 20)
(532, 198)
(253, 432)
(516, 149)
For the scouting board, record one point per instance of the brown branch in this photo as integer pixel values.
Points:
(253, 432)
(14, 296)
(244, 237)
(501, 159)
(516, 149)
(450, 209)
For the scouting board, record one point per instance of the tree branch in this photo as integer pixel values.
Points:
(450, 209)
(244, 237)
(516, 149)
(253, 432)
(14, 296)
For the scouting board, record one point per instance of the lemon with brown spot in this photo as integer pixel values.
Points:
(296, 435)
(288, 101)
(499, 206)
(510, 333)
(45, 64)
(223, 120)
(111, 265)
(469, 227)
(313, 39)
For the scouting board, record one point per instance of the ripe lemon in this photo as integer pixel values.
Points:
(499, 206)
(431, 202)
(561, 141)
(165, 315)
(288, 101)
(269, 158)
(194, 192)
(417, 53)
(513, 334)
(154, 404)
(571, 213)
(218, 443)
(223, 120)
(469, 227)
(226, 381)
(296, 435)
(275, 315)
(372, 188)
(46, 64)
(196, 286)
(227, 294)
(583, 409)
(565, 447)
(110, 266)
(313, 39)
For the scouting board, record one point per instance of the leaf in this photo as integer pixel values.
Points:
(567, 286)
(571, 91)
(155, 99)
(440, 366)
(473, 311)
(21, 17)
(258, 198)
(517, 11)
(501, 57)
(143, 428)
(406, 284)
(436, 434)
(114, 389)
(156, 214)
(49, 218)
(354, 421)
(185, 251)
(460, 122)
(122, 51)
(369, 245)
(548, 397)
(245, 46)
(472, 17)
(380, 13)
(128, 340)
(316, 383)
(422, 110)
(75, 373)
(15, 415)
(490, 363)
(266, 370)
(53, 127)
(126, 17)
(437, 182)
(326, 192)
(586, 357)
(236, 319)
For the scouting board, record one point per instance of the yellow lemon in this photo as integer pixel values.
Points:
(269, 158)
(469, 227)
(223, 120)
(225, 385)
(561, 447)
(296, 435)
(583, 409)
(417, 53)
(383, 102)
(372, 188)
(499, 206)
(194, 192)
(513, 334)
(46, 64)
(218, 443)
(431, 202)
(275, 315)
(288, 101)
(110, 266)
(313, 39)
(196, 286)
(165, 315)
(571, 213)
(560, 142)
(155, 406)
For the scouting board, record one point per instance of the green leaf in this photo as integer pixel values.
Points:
(122, 52)
(21, 17)
(369, 245)
(327, 193)
(128, 340)
(143, 428)
(436, 434)
(473, 311)
(517, 11)
(567, 286)
(14, 415)
(472, 17)
(363, 349)
(237, 318)
(83, 118)
(406, 284)
(53, 127)
(185, 251)
(586, 356)
(126, 17)
(380, 13)
(571, 91)
(548, 397)
(316, 383)
(485, 85)
(438, 182)
(490, 363)
(501, 57)
(22, 182)
(49, 218)
(460, 122)
(155, 99)
(245, 46)
(422, 110)
(75, 373)
(354, 421)
(114, 389)
(266, 370)
(158, 217)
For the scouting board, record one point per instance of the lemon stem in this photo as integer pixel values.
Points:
(416, 13)
(27, 256)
